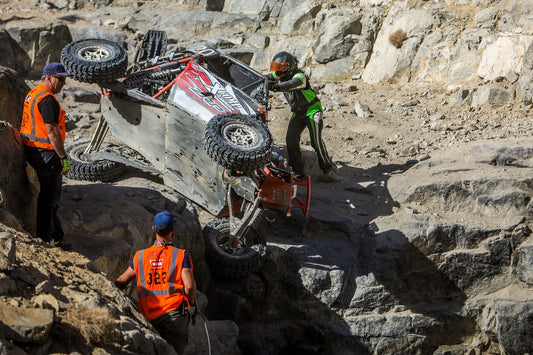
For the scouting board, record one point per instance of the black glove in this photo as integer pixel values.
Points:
(192, 314)
(272, 82)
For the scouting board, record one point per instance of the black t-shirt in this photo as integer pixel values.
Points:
(49, 109)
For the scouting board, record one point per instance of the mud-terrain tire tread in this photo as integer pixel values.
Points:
(228, 265)
(100, 170)
(230, 156)
(97, 71)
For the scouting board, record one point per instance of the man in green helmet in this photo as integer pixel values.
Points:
(306, 112)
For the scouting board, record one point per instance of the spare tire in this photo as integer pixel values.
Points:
(95, 60)
(238, 142)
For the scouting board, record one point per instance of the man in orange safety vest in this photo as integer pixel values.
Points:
(43, 133)
(165, 282)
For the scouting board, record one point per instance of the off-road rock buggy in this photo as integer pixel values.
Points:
(199, 118)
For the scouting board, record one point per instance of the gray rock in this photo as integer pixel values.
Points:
(502, 58)
(524, 272)
(489, 96)
(362, 110)
(300, 19)
(20, 196)
(8, 248)
(512, 322)
(27, 325)
(41, 43)
(13, 90)
(487, 17)
(78, 94)
(339, 31)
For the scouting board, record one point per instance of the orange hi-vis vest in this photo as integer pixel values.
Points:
(159, 282)
(32, 128)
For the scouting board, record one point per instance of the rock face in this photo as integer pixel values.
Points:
(404, 258)
(17, 193)
(454, 43)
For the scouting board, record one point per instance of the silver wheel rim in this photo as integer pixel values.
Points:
(240, 135)
(94, 53)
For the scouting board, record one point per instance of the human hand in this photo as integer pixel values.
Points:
(192, 314)
(66, 166)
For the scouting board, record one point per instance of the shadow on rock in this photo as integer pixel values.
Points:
(334, 284)
(108, 223)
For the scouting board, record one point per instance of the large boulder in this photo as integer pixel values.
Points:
(18, 194)
(13, 90)
(41, 42)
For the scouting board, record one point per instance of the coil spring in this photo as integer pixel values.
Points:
(141, 78)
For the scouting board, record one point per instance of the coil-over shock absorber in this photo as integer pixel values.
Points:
(154, 79)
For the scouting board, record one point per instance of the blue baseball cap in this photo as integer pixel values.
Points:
(55, 69)
(165, 219)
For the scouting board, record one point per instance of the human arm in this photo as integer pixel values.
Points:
(123, 280)
(299, 81)
(189, 285)
(55, 138)
(57, 142)
(50, 110)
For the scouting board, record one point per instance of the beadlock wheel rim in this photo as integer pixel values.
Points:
(240, 135)
(94, 53)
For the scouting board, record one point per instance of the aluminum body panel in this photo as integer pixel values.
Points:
(188, 168)
(139, 126)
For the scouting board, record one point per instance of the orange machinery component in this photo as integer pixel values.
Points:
(277, 192)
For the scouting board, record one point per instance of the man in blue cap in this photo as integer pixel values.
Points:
(43, 133)
(165, 282)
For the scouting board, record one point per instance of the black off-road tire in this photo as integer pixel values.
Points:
(100, 170)
(96, 61)
(233, 263)
(238, 142)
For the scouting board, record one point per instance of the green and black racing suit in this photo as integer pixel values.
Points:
(306, 112)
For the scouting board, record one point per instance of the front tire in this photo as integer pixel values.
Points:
(236, 261)
(99, 170)
(238, 142)
(96, 61)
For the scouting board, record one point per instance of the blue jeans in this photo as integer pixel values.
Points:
(48, 167)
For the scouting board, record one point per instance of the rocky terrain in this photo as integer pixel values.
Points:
(424, 246)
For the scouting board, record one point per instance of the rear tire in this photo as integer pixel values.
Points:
(96, 61)
(82, 169)
(233, 263)
(238, 142)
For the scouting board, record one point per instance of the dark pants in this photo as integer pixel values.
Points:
(173, 328)
(299, 121)
(48, 167)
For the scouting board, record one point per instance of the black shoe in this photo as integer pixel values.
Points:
(62, 244)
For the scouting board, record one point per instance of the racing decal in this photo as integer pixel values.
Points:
(208, 91)
(156, 264)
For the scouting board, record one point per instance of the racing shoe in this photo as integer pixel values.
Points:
(328, 176)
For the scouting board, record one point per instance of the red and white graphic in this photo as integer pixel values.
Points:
(156, 264)
(207, 90)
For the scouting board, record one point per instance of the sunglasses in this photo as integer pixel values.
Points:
(60, 78)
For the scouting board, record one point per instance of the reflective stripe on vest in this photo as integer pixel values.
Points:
(159, 283)
(32, 128)
(171, 274)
